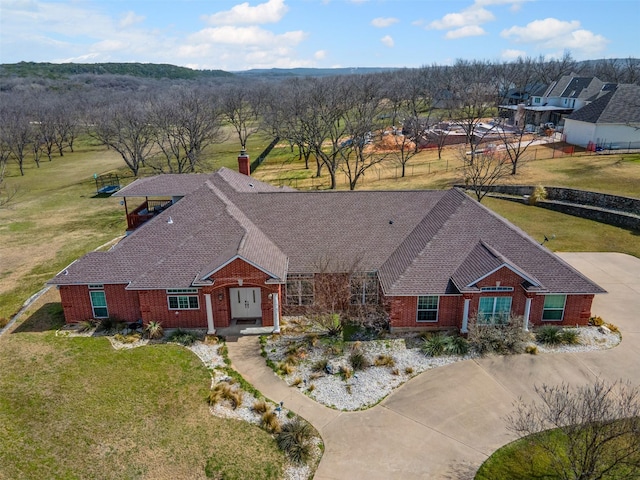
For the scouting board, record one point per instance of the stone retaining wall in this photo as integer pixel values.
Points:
(611, 209)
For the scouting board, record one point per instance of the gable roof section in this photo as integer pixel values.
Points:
(621, 105)
(165, 185)
(482, 261)
(254, 247)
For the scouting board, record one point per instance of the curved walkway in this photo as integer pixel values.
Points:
(444, 423)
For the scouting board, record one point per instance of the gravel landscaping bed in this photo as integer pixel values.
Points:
(368, 386)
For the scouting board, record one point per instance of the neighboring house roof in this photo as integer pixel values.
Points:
(621, 105)
(574, 86)
(419, 242)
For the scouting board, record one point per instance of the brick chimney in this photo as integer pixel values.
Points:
(244, 164)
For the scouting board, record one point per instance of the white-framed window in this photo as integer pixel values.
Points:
(300, 289)
(183, 302)
(428, 308)
(553, 309)
(494, 310)
(96, 286)
(98, 303)
(182, 290)
(364, 288)
(497, 288)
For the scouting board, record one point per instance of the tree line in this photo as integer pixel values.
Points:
(330, 121)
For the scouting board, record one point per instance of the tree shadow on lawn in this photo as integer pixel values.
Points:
(47, 318)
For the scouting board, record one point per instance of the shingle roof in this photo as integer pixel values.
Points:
(419, 242)
(621, 105)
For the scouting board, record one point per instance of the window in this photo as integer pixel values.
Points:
(299, 289)
(428, 308)
(183, 302)
(99, 304)
(553, 307)
(182, 290)
(364, 289)
(536, 100)
(496, 289)
(494, 310)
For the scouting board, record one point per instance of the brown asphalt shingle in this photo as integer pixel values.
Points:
(417, 241)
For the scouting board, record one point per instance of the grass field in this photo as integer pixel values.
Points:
(75, 408)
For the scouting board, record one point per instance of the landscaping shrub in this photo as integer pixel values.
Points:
(612, 327)
(383, 360)
(130, 338)
(295, 440)
(285, 368)
(86, 325)
(154, 330)
(502, 339)
(270, 421)
(456, 345)
(296, 382)
(570, 336)
(358, 360)
(106, 324)
(549, 335)
(320, 365)
(328, 323)
(224, 391)
(260, 407)
(596, 321)
(435, 345)
(539, 193)
(531, 349)
(346, 372)
(183, 337)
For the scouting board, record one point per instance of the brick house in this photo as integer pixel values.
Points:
(208, 250)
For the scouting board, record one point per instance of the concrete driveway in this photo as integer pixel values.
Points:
(445, 422)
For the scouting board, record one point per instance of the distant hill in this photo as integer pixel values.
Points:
(310, 72)
(144, 70)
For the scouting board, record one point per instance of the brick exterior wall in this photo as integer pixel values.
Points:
(152, 305)
(121, 304)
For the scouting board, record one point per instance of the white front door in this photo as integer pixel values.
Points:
(245, 303)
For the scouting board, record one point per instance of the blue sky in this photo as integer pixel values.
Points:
(236, 35)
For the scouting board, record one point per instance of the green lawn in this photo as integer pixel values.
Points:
(525, 459)
(75, 408)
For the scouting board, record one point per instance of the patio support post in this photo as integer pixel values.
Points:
(465, 316)
(276, 313)
(527, 312)
(211, 330)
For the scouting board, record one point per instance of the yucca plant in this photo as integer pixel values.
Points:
(570, 336)
(549, 334)
(456, 345)
(154, 330)
(435, 345)
(358, 360)
(294, 439)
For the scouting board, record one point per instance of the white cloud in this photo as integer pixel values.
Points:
(468, 31)
(387, 41)
(586, 41)
(243, 14)
(551, 33)
(320, 55)
(469, 16)
(253, 35)
(381, 22)
(512, 54)
(540, 30)
(130, 18)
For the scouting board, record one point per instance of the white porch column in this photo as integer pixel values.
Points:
(465, 316)
(276, 313)
(210, 328)
(527, 312)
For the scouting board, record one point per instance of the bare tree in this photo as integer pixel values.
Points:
(482, 169)
(186, 122)
(238, 105)
(597, 427)
(126, 127)
(5, 194)
(514, 144)
(16, 133)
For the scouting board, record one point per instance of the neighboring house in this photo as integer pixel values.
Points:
(560, 98)
(225, 247)
(611, 121)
